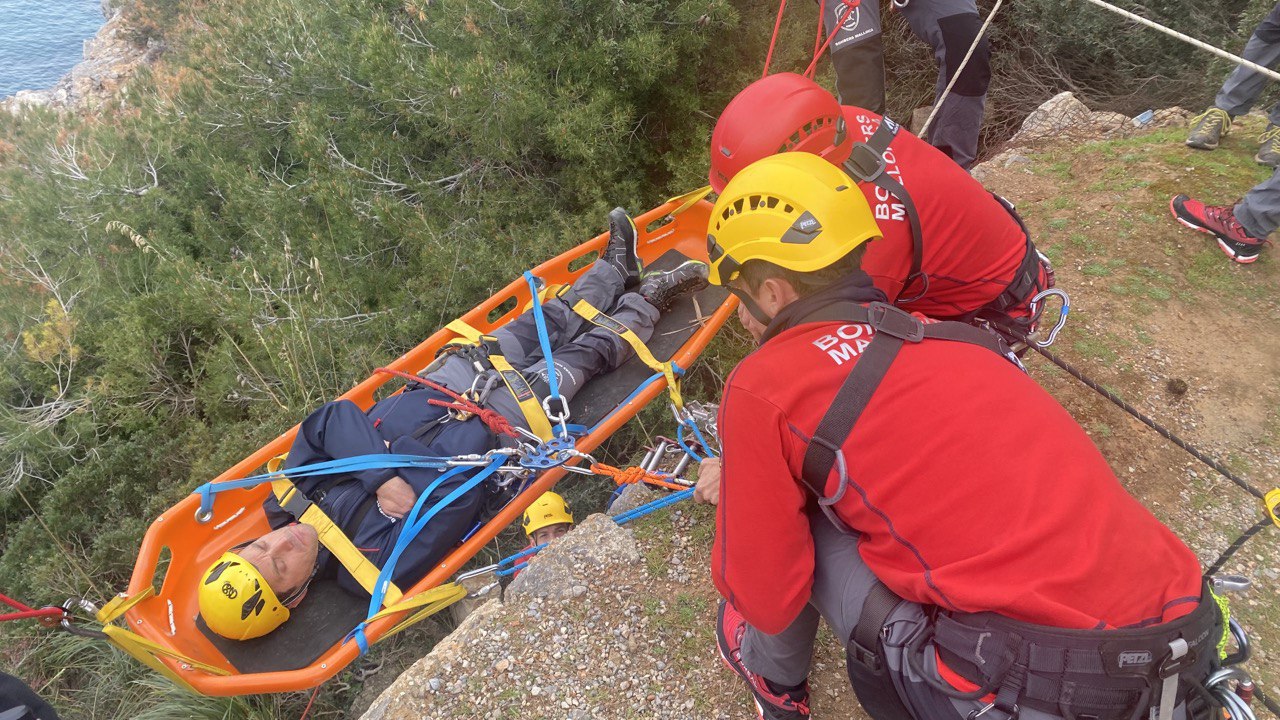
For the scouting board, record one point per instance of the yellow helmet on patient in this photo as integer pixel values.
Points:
(236, 602)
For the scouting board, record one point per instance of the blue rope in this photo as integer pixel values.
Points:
(329, 467)
(544, 339)
(412, 527)
(642, 510)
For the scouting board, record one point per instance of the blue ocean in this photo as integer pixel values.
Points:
(41, 40)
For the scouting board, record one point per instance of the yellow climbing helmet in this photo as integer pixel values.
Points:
(550, 509)
(236, 601)
(795, 210)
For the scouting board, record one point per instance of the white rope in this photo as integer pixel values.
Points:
(937, 105)
(1188, 39)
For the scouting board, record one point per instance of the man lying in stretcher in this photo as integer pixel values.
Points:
(247, 593)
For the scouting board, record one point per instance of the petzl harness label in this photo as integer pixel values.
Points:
(518, 385)
(609, 324)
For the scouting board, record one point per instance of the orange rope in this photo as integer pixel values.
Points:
(627, 476)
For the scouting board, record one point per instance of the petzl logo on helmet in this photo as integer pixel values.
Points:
(1133, 658)
(803, 231)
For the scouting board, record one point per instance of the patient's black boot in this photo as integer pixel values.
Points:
(621, 250)
(662, 289)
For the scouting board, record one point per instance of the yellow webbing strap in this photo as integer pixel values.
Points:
(464, 329)
(430, 601)
(534, 415)
(594, 316)
(146, 651)
(1272, 503)
(332, 537)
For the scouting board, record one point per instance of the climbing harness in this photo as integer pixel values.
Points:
(1103, 674)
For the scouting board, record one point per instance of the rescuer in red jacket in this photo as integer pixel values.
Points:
(907, 481)
(975, 256)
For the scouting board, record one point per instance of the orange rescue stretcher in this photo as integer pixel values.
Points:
(156, 618)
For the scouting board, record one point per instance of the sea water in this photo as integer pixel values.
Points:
(41, 40)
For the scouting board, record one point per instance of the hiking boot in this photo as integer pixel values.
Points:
(662, 289)
(1269, 152)
(772, 705)
(1219, 221)
(620, 253)
(1207, 128)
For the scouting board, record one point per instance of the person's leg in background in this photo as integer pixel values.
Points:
(1241, 229)
(857, 53)
(951, 26)
(1240, 91)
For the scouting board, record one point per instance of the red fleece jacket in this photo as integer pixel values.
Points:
(971, 487)
(972, 245)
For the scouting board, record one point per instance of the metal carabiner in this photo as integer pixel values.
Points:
(87, 607)
(1036, 309)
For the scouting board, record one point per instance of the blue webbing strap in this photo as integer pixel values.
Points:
(329, 467)
(412, 527)
(544, 339)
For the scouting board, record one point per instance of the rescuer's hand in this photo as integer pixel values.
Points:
(707, 491)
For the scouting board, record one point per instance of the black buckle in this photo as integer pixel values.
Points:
(863, 156)
(890, 320)
(870, 659)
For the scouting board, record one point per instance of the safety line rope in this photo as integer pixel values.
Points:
(1187, 39)
(937, 105)
(1164, 432)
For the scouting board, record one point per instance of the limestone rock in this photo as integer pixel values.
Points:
(632, 496)
(1170, 117)
(1058, 114)
(110, 61)
(565, 565)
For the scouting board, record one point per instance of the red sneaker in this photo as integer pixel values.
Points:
(1220, 221)
(730, 626)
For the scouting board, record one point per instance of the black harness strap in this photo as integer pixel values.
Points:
(893, 328)
(866, 163)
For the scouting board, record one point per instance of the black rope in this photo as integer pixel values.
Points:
(1235, 546)
(1165, 432)
(1268, 702)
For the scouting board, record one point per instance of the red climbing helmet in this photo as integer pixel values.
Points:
(779, 113)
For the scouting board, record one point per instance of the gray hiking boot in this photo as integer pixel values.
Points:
(1269, 152)
(620, 252)
(662, 289)
(1207, 128)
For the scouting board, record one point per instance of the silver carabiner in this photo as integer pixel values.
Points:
(1036, 309)
(87, 607)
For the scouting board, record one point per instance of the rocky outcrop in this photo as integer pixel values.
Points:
(520, 643)
(110, 61)
(1064, 116)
